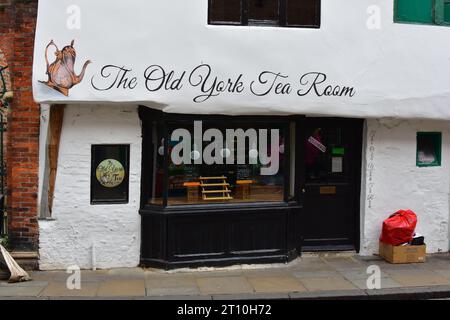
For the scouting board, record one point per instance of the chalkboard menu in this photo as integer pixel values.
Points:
(110, 174)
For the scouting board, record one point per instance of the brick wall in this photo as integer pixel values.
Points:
(17, 27)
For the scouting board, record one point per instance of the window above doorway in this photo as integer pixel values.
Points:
(275, 13)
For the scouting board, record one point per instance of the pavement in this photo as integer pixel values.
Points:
(325, 276)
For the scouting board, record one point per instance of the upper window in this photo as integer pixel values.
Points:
(423, 11)
(281, 13)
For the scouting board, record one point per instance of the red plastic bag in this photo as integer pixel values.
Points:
(399, 228)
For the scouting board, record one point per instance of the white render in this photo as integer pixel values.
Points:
(398, 70)
(77, 225)
(392, 181)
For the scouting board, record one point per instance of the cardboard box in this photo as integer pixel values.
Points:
(403, 254)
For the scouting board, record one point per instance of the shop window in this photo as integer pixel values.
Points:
(423, 11)
(429, 145)
(282, 13)
(202, 162)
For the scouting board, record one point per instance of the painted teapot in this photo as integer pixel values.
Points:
(61, 73)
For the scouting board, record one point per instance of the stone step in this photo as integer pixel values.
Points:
(27, 260)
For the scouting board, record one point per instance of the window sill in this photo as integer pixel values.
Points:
(429, 24)
(219, 207)
(263, 26)
(46, 219)
(431, 165)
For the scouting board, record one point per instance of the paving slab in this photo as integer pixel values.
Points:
(386, 266)
(276, 284)
(311, 264)
(24, 298)
(324, 284)
(443, 272)
(24, 284)
(176, 297)
(317, 274)
(59, 289)
(121, 288)
(129, 273)
(186, 291)
(170, 282)
(418, 278)
(385, 283)
(94, 276)
(224, 285)
(156, 286)
(210, 274)
(427, 292)
(346, 263)
(328, 295)
(434, 262)
(359, 274)
(252, 296)
(15, 291)
(49, 275)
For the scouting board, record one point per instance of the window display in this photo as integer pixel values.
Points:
(208, 162)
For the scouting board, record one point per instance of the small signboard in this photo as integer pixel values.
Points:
(110, 174)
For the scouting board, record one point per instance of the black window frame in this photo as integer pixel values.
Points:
(148, 115)
(436, 139)
(266, 23)
(119, 197)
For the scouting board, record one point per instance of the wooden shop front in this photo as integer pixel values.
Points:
(240, 210)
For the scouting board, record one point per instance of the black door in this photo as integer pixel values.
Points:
(331, 183)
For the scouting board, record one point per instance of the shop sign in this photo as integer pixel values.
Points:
(110, 174)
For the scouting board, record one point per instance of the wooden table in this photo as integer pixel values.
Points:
(192, 191)
(243, 189)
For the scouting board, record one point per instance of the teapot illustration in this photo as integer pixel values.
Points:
(61, 73)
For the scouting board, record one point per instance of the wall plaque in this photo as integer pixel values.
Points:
(110, 174)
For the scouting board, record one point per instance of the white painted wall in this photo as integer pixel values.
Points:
(399, 70)
(393, 182)
(114, 229)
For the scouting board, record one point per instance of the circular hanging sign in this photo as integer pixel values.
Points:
(110, 173)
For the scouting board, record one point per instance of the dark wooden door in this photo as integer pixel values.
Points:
(331, 183)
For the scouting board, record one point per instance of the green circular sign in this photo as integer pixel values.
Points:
(110, 173)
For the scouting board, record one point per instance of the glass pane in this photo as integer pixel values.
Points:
(227, 167)
(157, 154)
(263, 10)
(428, 149)
(302, 12)
(325, 155)
(225, 11)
